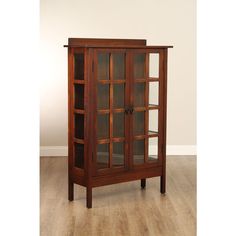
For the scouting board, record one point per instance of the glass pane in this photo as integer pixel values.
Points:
(79, 126)
(154, 65)
(103, 126)
(138, 125)
(138, 150)
(79, 96)
(79, 66)
(118, 95)
(79, 155)
(103, 96)
(103, 66)
(139, 94)
(102, 156)
(118, 154)
(139, 65)
(119, 66)
(154, 93)
(152, 149)
(118, 124)
(153, 121)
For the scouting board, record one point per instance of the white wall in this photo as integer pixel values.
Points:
(168, 22)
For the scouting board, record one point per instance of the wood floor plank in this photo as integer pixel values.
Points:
(120, 209)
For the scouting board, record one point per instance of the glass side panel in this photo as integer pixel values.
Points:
(138, 151)
(118, 95)
(118, 154)
(79, 155)
(118, 66)
(79, 66)
(102, 156)
(153, 149)
(139, 94)
(154, 65)
(103, 66)
(103, 96)
(139, 65)
(154, 93)
(118, 124)
(79, 126)
(102, 126)
(153, 121)
(138, 123)
(79, 96)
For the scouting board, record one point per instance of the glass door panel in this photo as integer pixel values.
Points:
(103, 126)
(103, 96)
(153, 93)
(152, 149)
(139, 123)
(103, 66)
(154, 65)
(79, 66)
(139, 65)
(102, 156)
(118, 66)
(139, 94)
(110, 81)
(118, 124)
(138, 151)
(118, 155)
(118, 95)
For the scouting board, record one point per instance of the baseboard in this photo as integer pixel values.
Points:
(53, 151)
(170, 150)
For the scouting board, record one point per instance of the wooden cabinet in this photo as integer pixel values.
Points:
(117, 112)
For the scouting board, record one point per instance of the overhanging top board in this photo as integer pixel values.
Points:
(76, 42)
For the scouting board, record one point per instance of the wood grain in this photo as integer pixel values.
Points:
(120, 209)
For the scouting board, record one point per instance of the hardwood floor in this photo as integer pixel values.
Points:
(120, 209)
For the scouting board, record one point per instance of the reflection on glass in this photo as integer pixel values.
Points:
(118, 154)
(102, 96)
(153, 120)
(138, 122)
(118, 124)
(118, 95)
(79, 66)
(102, 126)
(103, 66)
(138, 151)
(79, 126)
(152, 149)
(154, 65)
(79, 96)
(153, 93)
(139, 94)
(139, 65)
(79, 155)
(102, 156)
(119, 66)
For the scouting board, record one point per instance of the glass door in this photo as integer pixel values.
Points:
(111, 98)
(145, 119)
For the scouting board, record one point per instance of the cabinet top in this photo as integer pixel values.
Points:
(110, 43)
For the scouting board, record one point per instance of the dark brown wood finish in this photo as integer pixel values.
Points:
(89, 175)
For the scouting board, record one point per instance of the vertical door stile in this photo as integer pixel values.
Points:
(94, 92)
(146, 106)
(130, 104)
(161, 105)
(110, 108)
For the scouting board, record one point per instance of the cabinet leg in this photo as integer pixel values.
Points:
(163, 183)
(89, 197)
(143, 183)
(70, 191)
